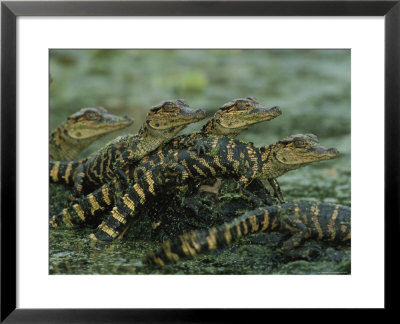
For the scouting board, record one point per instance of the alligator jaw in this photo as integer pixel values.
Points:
(324, 154)
(116, 122)
(189, 116)
(265, 114)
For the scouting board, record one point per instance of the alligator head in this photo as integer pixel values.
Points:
(81, 129)
(170, 117)
(91, 123)
(237, 115)
(294, 152)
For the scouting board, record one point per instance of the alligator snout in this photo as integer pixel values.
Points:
(277, 111)
(333, 151)
(201, 112)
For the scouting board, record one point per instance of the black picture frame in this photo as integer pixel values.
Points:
(10, 10)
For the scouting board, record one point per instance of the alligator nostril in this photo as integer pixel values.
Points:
(313, 137)
(277, 110)
(333, 151)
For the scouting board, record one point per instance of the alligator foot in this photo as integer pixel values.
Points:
(200, 147)
(195, 204)
(257, 201)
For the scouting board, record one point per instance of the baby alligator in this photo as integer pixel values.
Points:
(162, 123)
(230, 119)
(228, 157)
(81, 129)
(302, 220)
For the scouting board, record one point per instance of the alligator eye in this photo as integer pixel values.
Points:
(91, 115)
(300, 143)
(241, 105)
(169, 107)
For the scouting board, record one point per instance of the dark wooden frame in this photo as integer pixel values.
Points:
(11, 10)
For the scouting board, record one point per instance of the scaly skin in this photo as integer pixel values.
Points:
(81, 129)
(162, 123)
(227, 158)
(303, 220)
(232, 118)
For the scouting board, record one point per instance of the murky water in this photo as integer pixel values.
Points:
(311, 87)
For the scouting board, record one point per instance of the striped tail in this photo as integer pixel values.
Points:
(301, 219)
(116, 223)
(87, 210)
(64, 171)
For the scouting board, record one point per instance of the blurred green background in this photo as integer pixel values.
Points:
(312, 87)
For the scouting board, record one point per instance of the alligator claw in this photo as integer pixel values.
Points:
(195, 205)
(257, 201)
(200, 147)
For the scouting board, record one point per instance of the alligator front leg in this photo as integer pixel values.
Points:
(244, 181)
(193, 143)
(122, 164)
(199, 146)
(277, 190)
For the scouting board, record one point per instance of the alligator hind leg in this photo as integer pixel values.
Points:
(297, 229)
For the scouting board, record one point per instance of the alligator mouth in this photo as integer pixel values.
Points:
(112, 121)
(191, 117)
(324, 153)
